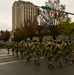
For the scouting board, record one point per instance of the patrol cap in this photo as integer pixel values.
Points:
(49, 43)
(34, 40)
(36, 43)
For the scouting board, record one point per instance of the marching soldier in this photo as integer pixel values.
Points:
(58, 52)
(36, 53)
(70, 52)
(28, 51)
(13, 48)
(49, 55)
(42, 48)
(22, 50)
(8, 47)
(17, 48)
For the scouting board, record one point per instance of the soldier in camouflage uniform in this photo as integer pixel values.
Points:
(49, 55)
(22, 50)
(28, 51)
(17, 48)
(36, 53)
(8, 46)
(70, 52)
(58, 53)
(67, 51)
(13, 48)
(42, 48)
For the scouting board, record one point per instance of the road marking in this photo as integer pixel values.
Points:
(4, 54)
(11, 62)
(3, 51)
(8, 56)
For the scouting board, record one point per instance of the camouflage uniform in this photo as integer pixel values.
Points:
(42, 48)
(36, 53)
(28, 51)
(58, 53)
(49, 55)
(13, 48)
(17, 48)
(8, 46)
(67, 51)
(70, 55)
(21, 50)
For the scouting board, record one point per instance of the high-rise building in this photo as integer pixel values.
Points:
(23, 13)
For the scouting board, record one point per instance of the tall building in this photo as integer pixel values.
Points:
(23, 13)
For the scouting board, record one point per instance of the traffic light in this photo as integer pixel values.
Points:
(55, 14)
(38, 11)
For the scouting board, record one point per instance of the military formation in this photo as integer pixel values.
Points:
(60, 51)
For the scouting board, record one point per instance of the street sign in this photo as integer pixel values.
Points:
(45, 7)
(48, 8)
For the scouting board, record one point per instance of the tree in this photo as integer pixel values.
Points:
(24, 32)
(18, 34)
(66, 27)
(42, 30)
(30, 30)
(54, 31)
(5, 35)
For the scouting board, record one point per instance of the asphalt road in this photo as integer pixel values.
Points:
(11, 65)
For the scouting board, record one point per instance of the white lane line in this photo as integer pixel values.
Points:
(8, 54)
(11, 62)
(3, 50)
(5, 55)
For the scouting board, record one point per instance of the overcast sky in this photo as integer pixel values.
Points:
(6, 11)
